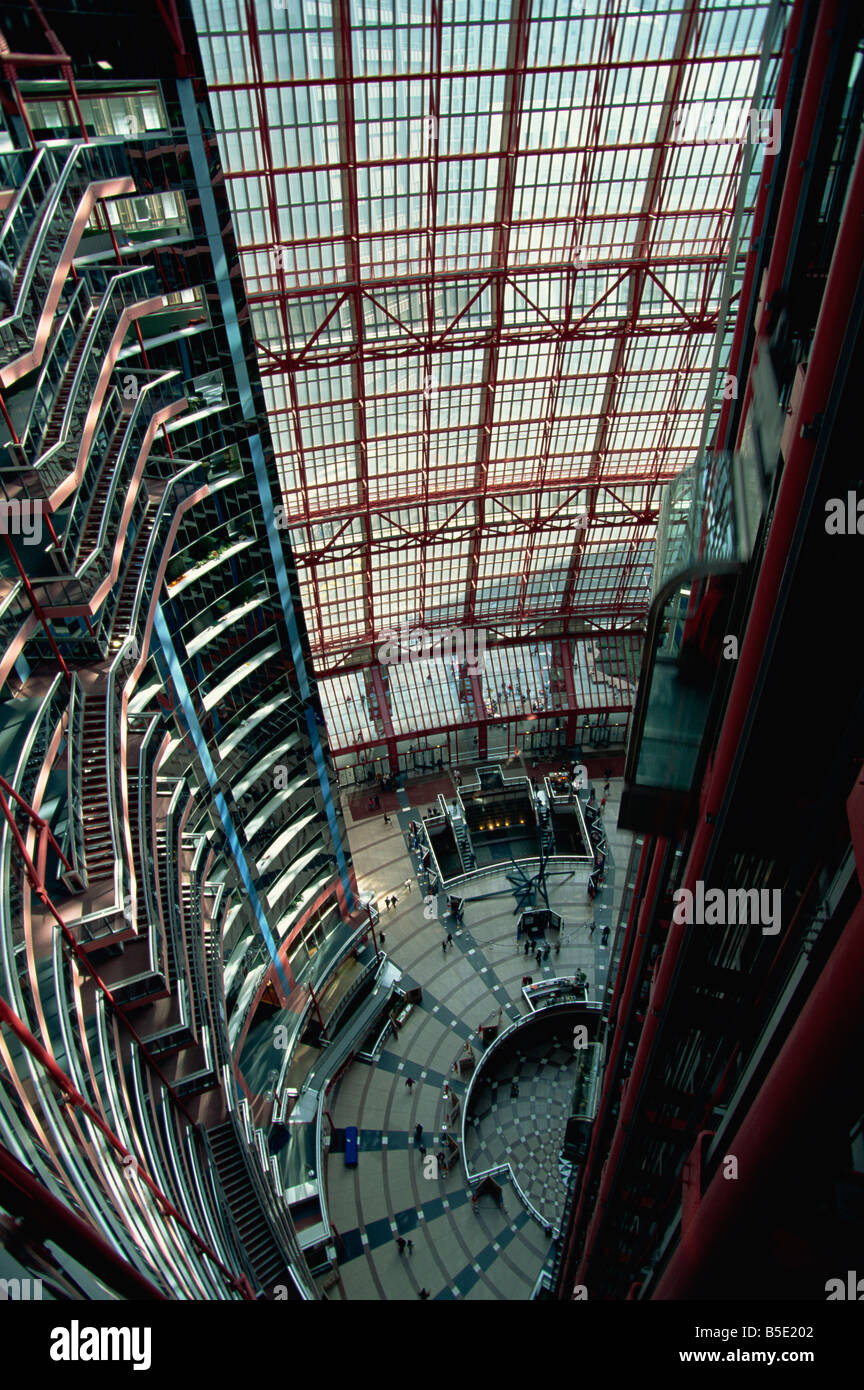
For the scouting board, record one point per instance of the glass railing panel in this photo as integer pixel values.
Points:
(707, 527)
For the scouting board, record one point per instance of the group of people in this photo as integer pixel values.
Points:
(442, 1159)
(542, 952)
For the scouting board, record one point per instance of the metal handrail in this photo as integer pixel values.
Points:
(74, 763)
(49, 377)
(91, 152)
(38, 245)
(95, 342)
(146, 888)
(43, 163)
(112, 742)
(16, 781)
(107, 523)
(520, 1023)
(162, 511)
(10, 600)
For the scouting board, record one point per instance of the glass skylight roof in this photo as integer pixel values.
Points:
(484, 244)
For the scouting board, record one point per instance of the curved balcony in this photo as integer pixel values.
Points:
(536, 1052)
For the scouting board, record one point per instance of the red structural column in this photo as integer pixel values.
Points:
(609, 1078)
(826, 1040)
(789, 45)
(843, 276)
(797, 163)
(572, 698)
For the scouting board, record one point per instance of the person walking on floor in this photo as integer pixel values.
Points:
(410, 1245)
(418, 1134)
(422, 1150)
(401, 1243)
(539, 954)
(409, 1082)
(449, 941)
(423, 1293)
(444, 947)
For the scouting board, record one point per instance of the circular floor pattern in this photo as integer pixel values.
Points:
(527, 1131)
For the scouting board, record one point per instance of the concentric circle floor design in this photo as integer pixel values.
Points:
(526, 1131)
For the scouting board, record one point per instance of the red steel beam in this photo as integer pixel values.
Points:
(43, 1216)
(512, 70)
(468, 156)
(408, 278)
(345, 76)
(642, 254)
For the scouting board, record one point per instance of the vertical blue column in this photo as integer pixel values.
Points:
(198, 155)
(196, 733)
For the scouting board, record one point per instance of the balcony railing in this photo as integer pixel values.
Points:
(105, 295)
(52, 204)
(23, 778)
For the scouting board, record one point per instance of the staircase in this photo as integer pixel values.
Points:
(129, 586)
(50, 249)
(547, 834)
(258, 1241)
(54, 426)
(463, 844)
(165, 896)
(90, 531)
(93, 790)
(54, 241)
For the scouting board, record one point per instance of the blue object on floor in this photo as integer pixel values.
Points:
(351, 1146)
